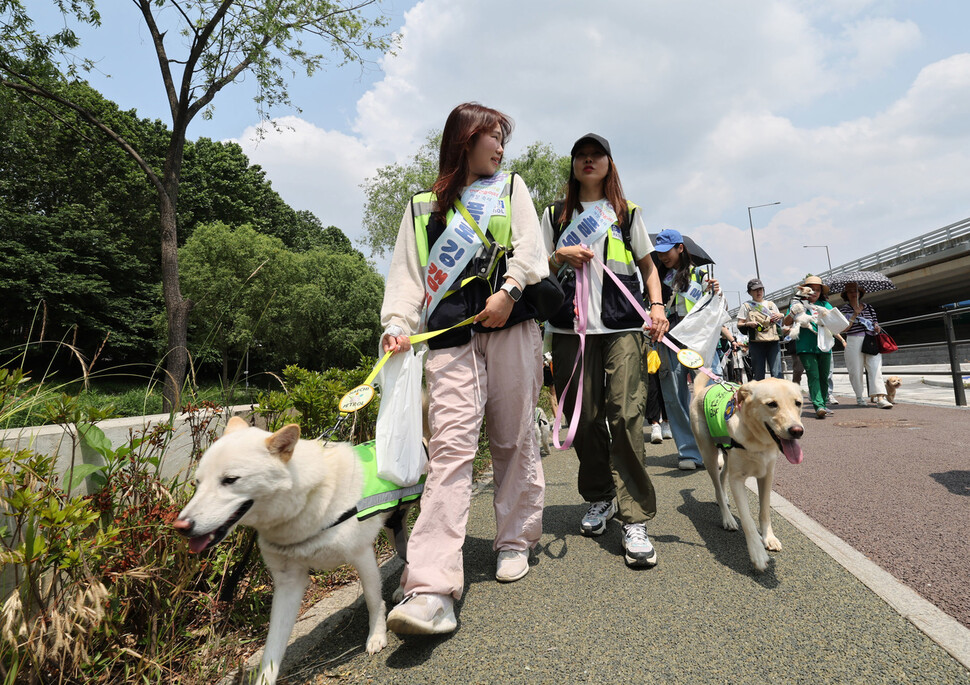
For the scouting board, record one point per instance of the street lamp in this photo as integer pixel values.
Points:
(751, 226)
(829, 259)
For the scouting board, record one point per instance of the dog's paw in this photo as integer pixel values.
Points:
(728, 522)
(376, 642)
(759, 559)
(772, 543)
(398, 595)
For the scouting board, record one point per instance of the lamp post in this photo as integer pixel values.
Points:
(754, 249)
(827, 258)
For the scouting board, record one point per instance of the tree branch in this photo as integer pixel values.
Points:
(32, 88)
(158, 39)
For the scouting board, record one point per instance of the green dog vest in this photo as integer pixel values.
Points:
(377, 494)
(718, 408)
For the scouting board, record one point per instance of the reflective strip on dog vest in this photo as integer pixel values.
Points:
(719, 406)
(377, 494)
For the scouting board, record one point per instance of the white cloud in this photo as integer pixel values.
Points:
(701, 102)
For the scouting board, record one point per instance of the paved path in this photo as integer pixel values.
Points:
(700, 616)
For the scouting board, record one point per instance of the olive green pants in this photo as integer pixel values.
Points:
(609, 429)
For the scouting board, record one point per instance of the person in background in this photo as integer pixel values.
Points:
(816, 362)
(760, 317)
(656, 412)
(683, 284)
(862, 321)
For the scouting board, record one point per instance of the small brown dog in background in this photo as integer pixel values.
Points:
(892, 383)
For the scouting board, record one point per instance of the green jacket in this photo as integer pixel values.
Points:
(807, 342)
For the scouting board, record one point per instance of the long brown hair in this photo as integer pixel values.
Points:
(612, 190)
(462, 128)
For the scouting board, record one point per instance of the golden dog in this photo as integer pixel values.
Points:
(763, 423)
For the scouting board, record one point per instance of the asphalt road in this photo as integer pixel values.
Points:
(700, 616)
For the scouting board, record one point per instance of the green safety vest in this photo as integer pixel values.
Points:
(615, 310)
(719, 406)
(377, 494)
(423, 204)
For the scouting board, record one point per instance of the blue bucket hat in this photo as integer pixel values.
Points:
(667, 239)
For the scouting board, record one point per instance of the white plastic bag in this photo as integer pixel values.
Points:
(701, 328)
(831, 322)
(401, 457)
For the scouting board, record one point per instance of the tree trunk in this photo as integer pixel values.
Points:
(176, 308)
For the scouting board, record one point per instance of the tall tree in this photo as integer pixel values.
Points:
(216, 41)
(391, 188)
(317, 308)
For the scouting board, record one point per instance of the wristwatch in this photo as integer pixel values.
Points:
(512, 290)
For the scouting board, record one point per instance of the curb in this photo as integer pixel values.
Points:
(942, 384)
(937, 625)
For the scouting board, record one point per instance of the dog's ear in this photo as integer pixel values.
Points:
(235, 423)
(283, 442)
(743, 395)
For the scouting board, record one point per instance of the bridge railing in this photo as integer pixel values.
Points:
(906, 248)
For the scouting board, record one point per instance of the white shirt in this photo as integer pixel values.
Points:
(639, 241)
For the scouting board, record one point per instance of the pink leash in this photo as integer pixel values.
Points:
(582, 303)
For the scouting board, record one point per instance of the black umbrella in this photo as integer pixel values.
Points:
(698, 256)
(870, 281)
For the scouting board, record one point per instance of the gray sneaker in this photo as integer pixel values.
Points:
(594, 522)
(636, 544)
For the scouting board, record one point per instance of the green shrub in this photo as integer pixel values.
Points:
(310, 398)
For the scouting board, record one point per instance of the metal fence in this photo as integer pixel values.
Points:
(928, 242)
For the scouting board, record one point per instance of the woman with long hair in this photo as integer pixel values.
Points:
(682, 285)
(596, 220)
(439, 276)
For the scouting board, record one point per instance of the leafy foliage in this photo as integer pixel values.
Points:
(310, 398)
(219, 43)
(317, 309)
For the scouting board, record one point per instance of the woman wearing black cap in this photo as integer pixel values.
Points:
(760, 317)
(596, 220)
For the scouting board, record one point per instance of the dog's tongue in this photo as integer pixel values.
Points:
(792, 450)
(199, 542)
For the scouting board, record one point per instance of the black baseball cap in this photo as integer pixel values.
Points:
(599, 140)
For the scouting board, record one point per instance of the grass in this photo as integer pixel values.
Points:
(117, 398)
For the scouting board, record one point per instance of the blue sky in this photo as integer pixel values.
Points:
(854, 114)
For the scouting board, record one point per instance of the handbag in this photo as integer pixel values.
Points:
(545, 297)
(870, 344)
(886, 344)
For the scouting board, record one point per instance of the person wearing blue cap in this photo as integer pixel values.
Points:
(683, 284)
(596, 220)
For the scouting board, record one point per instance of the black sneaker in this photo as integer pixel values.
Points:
(594, 522)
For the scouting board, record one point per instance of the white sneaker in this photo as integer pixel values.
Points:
(423, 614)
(687, 464)
(860, 402)
(883, 403)
(638, 549)
(512, 565)
(656, 434)
(665, 431)
(833, 400)
(598, 513)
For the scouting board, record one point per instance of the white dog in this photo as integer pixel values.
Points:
(799, 310)
(761, 421)
(303, 499)
(542, 431)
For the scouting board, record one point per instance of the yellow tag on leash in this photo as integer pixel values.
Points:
(356, 399)
(690, 358)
